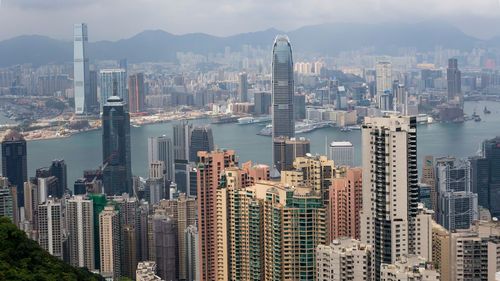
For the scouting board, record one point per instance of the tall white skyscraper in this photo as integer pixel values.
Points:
(49, 227)
(81, 69)
(161, 149)
(390, 188)
(80, 225)
(384, 84)
(108, 77)
(342, 153)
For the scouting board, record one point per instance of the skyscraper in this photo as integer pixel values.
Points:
(491, 151)
(201, 140)
(243, 87)
(14, 162)
(342, 153)
(384, 84)
(453, 76)
(108, 78)
(93, 100)
(109, 231)
(136, 92)
(161, 149)
(282, 88)
(117, 176)
(285, 151)
(182, 138)
(192, 253)
(50, 227)
(429, 179)
(390, 187)
(58, 170)
(262, 103)
(80, 225)
(8, 201)
(210, 167)
(81, 69)
(165, 242)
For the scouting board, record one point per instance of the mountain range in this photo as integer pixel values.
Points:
(324, 39)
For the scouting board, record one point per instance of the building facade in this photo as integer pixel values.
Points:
(342, 153)
(14, 162)
(109, 79)
(161, 149)
(80, 225)
(136, 92)
(109, 238)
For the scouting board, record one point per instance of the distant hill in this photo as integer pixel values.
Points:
(23, 259)
(325, 39)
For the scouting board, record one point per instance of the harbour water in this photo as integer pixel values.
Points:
(83, 151)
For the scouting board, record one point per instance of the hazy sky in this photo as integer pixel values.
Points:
(117, 19)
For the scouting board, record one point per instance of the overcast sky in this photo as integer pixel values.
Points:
(117, 19)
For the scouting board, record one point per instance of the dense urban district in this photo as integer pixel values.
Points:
(200, 214)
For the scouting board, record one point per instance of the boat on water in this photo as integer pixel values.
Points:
(475, 115)
(486, 111)
(477, 118)
(300, 127)
(253, 120)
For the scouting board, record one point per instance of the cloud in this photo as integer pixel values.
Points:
(115, 19)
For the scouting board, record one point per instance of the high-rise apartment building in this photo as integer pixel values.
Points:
(456, 203)
(99, 201)
(109, 238)
(192, 244)
(164, 245)
(243, 87)
(136, 92)
(31, 203)
(342, 153)
(429, 178)
(109, 79)
(384, 84)
(441, 250)
(81, 69)
(453, 76)
(267, 231)
(183, 211)
(345, 205)
(201, 140)
(50, 227)
(129, 251)
(407, 268)
(282, 88)
(8, 201)
(390, 187)
(117, 177)
(182, 138)
(285, 150)
(211, 165)
(344, 259)
(161, 149)
(14, 162)
(80, 225)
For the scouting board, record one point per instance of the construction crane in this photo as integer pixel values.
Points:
(104, 165)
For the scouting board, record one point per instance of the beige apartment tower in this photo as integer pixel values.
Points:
(109, 230)
(80, 225)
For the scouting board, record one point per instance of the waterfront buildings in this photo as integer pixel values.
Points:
(80, 226)
(282, 89)
(136, 92)
(83, 100)
(342, 153)
(117, 176)
(344, 259)
(109, 240)
(454, 79)
(109, 79)
(262, 103)
(201, 140)
(243, 87)
(285, 150)
(14, 162)
(161, 149)
(390, 190)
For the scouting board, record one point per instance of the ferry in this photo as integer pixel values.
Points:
(486, 111)
(253, 120)
(300, 127)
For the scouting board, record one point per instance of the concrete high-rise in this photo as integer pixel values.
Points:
(109, 79)
(282, 88)
(201, 140)
(243, 87)
(109, 238)
(210, 168)
(342, 153)
(192, 244)
(344, 259)
(8, 201)
(50, 227)
(117, 177)
(285, 151)
(390, 187)
(136, 92)
(429, 178)
(182, 138)
(14, 162)
(384, 84)
(80, 225)
(262, 103)
(453, 76)
(345, 205)
(81, 69)
(164, 245)
(30, 203)
(161, 149)
(183, 211)
(129, 251)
